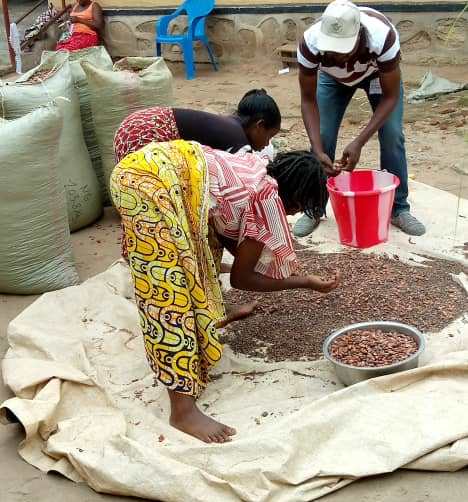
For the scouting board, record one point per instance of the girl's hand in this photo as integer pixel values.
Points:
(322, 285)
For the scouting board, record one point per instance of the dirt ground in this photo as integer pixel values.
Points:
(436, 131)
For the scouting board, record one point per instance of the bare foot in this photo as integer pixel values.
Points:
(237, 312)
(186, 417)
(225, 268)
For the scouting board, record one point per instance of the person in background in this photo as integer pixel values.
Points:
(352, 48)
(170, 196)
(256, 121)
(86, 24)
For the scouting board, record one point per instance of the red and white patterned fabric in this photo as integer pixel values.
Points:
(78, 41)
(246, 204)
(142, 127)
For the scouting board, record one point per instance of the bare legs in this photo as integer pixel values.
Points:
(234, 312)
(186, 417)
(185, 414)
(225, 268)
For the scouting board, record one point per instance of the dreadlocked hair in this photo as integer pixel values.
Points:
(301, 181)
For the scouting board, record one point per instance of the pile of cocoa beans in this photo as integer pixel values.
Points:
(371, 348)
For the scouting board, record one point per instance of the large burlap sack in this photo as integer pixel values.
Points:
(49, 80)
(100, 58)
(35, 249)
(133, 84)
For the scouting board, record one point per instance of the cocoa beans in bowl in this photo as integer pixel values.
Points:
(371, 349)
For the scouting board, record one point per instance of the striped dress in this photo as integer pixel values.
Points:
(245, 203)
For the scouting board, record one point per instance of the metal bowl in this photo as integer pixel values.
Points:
(350, 375)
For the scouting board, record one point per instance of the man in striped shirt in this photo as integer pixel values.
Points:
(352, 48)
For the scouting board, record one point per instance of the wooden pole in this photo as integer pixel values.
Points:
(6, 20)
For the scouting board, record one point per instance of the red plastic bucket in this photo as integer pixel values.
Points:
(362, 202)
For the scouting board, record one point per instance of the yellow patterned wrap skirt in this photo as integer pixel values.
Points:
(162, 195)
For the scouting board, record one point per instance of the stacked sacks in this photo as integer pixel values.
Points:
(52, 79)
(35, 246)
(99, 58)
(133, 84)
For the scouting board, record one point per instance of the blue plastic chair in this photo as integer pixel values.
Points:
(197, 11)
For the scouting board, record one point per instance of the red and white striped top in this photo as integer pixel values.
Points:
(378, 51)
(246, 203)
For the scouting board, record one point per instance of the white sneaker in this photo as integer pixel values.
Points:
(407, 223)
(305, 226)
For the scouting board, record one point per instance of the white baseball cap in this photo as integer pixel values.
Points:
(339, 27)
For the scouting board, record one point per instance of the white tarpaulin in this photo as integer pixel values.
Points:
(432, 86)
(92, 411)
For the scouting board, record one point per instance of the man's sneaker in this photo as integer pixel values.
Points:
(305, 225)
(406, 222)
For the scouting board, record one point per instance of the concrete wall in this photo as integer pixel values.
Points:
(255, 29)
(136, 4)
(240, 37)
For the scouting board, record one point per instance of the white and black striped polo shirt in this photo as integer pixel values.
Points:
(378, 51)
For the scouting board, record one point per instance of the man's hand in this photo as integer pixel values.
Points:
(390, 84)
(74, 19)
(327, 164)
(311, 117)
(351, 156)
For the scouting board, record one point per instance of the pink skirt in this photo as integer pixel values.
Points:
(78, 41)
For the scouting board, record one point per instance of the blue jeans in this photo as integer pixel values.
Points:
(333, 99)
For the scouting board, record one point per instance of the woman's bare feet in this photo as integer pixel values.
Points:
(237, 312)
(186, 417)
(225, 268)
